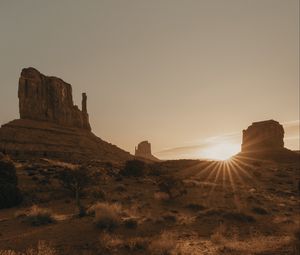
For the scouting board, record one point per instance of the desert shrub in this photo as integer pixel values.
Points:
(107, 216)
(114, 243)
(134, 168)
(259, 210)
(8, 172)
(195, 207)
(130, 223)
(38, 216)
(42, 248)
(172, 186)
(75, 180)
(164, 244)
(10, 194)
(218, 236)
(110, 242)
(138, 244)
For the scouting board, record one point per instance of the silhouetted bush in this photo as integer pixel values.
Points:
(134, 168)
(75, 180)
(259, 210)
(107, 216)
(171, 186)
(8, 172)
(10, 194)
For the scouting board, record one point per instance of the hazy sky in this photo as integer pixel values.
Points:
(180, 73)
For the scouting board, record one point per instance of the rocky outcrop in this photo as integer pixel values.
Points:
(264, 140)
(143, 150)
(50, 99)
(263, 135)
(51, 126)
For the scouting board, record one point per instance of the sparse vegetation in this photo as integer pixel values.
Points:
(134, 168)
(43, 248)
(10, 194)
(163, 244)
(107, 216)
(75, 179)
(37, 216)
(172, 186)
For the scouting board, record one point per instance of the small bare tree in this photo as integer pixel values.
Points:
(75, 180)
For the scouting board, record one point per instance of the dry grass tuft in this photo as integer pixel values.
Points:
(42, 248)
(114, 243)
(107, 216)
(37, 216)
(164, 244)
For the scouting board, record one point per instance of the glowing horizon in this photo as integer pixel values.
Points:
(175, 73)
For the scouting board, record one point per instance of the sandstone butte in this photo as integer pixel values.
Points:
(143, 150)
(51, 126)
(264, 140)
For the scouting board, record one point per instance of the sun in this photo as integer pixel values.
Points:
(221, 151)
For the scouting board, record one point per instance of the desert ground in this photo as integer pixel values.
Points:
(169, 207)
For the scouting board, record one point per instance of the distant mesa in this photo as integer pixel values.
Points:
(50, 125)
(264, 139)
(143, 150)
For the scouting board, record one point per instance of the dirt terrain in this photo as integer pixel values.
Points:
(171, 207)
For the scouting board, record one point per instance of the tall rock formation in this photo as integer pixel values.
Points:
(50, 99)
(263, 135)
(51, 126)
(264, 140)
(143, 150)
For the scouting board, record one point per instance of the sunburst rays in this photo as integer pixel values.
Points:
(224, 176)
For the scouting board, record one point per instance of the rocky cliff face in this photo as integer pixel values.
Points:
(143, 150)
(263, 140)
(51, 126)
(50, 99)
(263, 135)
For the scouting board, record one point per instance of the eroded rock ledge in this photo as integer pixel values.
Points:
(50, 99)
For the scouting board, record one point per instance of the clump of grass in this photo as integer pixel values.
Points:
(37, 216)
(164, 244)
(115, 243)
(136, 244)
(110, 242)
(42, 248)
(257, 245)
(107, 216)
(218, 236)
